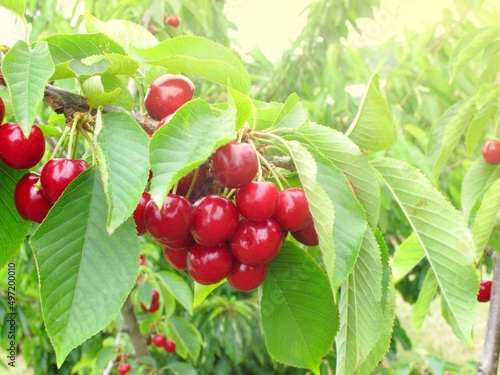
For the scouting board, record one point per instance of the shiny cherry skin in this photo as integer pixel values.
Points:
(245, 278)
(159, 340)
(185, 182)
(124, 368)
(166, 94)
(2, 110)
(181, 244)
(169, 346)
(307, 236)
(58, 173)
(174, 20)
(209, 265)
(138, 214)
(177, 258)
(491, 152)
(172, 222)
(20, 152)
(31, 202)
(484, 293)
(292, 210)
(235, 164)
(215, 219)
(155, 302)
(256, 242)
(257, 200)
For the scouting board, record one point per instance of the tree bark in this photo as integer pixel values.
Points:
(138, 340)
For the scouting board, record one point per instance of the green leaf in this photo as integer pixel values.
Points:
(93, 90)
(243, 105)
(360, 308)
(447, 132)
(125, 33)
(425, 298)
(470, 46)
(125, 165)
(27, 72)
(373, 127)
(406, 257)
(85, 274)
(17, 7)
(201, 292)
(13, 228)
(444, 236)
(266, 114)
(320, 205)
(108, 64)
(187, 338)
(485, 219)
(292, 115)
(191, 136)
(201, 57)
(125, 98)
(477, 127)
(180, 368)
(179, 289)
(298, 312)
(476, 181)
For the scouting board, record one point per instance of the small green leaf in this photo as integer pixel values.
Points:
(17, 7)
(266, 114)
(85, 273)
(179, 289)
(108, 64)
(477, 127)
(93, 90)
(187, 338)
(27, 72)
(125, 98)
(373, 127)
(201, 292)
(296, 333)
(425, 298)
(292, 115)
(243, 105)
(406, 257)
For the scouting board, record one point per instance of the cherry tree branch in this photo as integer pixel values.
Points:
(489, 360)
(138, 340)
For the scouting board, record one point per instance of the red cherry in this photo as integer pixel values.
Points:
(245, 278)
(57, 174)
(124, 368)
(292, 210)
(159, 340)
(155, 302)
(2, 110)
(31, 202)
(215, 219)
(257, 200)
(177, 258)
(491, 152)
(166, 94)
(181, 244)
(256, 242)
(142, 260)
(209, 265)
(164, 120)
(235, 164)
(20, 152)
(484, 293)
(138, 214)
(121, 357)
(170, 346)
(307, 235)
(173, 20)
(172, 222)
(185, 182)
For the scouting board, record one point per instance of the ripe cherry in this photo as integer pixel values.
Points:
(155, 302)
(159, 340)
(166, 94)
(164, 120)
(307, 236)
(185, 182)
(173, 20)
(484, 293)
(215, 219)
(257, 200)
(31, 202)
(57, 174)
(181, 244)
(256, 242)
(244, 277)
(235, 164)
(292, 210)
(2, 111)
(209, 265)
(142, 260)
(20, 152)
(169, 346)
(124, 368)
(491, 152)
(177, 258)
(172, 222)
(138, 214)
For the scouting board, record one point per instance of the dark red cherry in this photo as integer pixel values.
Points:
(20, 152)
(185, 182)
(215, 219)
(491, 152)
(31, 202)
(173, 20)
(484, 294)
(124, 369)
(159, 340)
(256, 242)
(57, 174)
(209, 265)
(257, 200)
(235, 164)
(292, 210)
(244, 277)
(169, 346)
(177, 258)
(181, 244)
(307, 235)
(155, 302)
(172, 222)
(139, 213)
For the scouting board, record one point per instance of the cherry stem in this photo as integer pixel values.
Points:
(193, 182)
(272, 170)
(62, 139)
(72, 143)
(254, 112)
(142, 108)
(90, 142)
(259, 165)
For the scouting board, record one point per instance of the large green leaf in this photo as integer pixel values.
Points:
(27, 72)
(360, 308)
(85, 274)
(125, 165)
(425, 298)
(17, 7)
(187, 141)
(178, 288)
(406, 257)
(373, 127)
(298, 312)
(13, 228)
(186, 336)
(444, 236)
(201, 57)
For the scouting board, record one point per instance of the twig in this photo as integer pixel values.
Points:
(138, 340)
